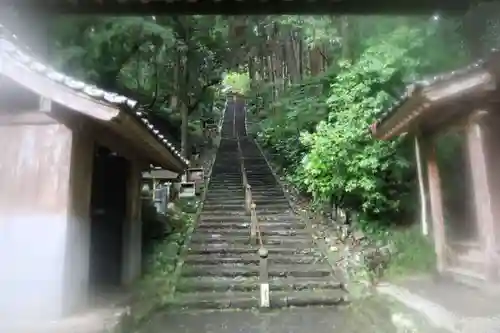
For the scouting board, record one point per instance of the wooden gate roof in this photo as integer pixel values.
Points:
(432, 101)
(17, 62)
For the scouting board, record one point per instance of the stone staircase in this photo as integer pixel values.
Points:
(221, 269)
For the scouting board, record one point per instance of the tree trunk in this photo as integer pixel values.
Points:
(184, 131)
(346, 38)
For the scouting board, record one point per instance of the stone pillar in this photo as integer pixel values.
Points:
(132, 231)
(481, 185)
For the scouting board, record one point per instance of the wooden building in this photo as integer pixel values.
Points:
(460, 112)
(70, 176)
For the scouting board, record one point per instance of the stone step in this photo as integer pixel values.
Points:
(225, 197)
(207, 207)
(263, 218)
(262, 213)
(245, 224)
(238, 249)
(224, 176)
(302, 270)
(222, 195)
(227, 188)
(261, 190)
(202, 230)
(268, 240)
(220, 185)
(226, 213)
(223, 181)
(210, 207)
(234, 202)
(225, 191)
(219, 284)
(216, 198)
(247, 259)
(247, 300)
(278, 201)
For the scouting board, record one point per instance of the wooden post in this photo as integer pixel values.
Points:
(438, 228)
(264, 278)
(421, 187)
(482, 196)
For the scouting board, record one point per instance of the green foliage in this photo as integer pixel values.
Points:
(237, 82)
(413, 253)
(157, 285)
(367, 172)
(319, 129)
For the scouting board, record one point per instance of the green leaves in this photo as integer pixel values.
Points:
(321, 135)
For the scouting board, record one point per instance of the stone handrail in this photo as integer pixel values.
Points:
(255, 233)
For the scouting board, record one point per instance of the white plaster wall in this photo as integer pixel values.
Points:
(32, 251)
(77, 261)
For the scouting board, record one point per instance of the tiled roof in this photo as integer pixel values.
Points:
(13, 49)
(423, 83)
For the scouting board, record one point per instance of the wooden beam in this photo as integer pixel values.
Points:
(26, 118)
(436, 198)
(140, 135)
(421, 187)
(482, 195)
(57, 92)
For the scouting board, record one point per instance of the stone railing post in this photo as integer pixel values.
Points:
(264, 278)
(253, 224)
(248, 198)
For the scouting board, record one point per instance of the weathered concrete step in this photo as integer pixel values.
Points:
(268, 240)
(277, 208)
(233, 203)
(226, 188)
(269, 221)
(247, 300)
(278, 201)
(227, 213)
(247, 259)
(222, 196)
(223, 205)
(229, 201)
(261, 190)
(216, 198)
(239, 249)
(224, 191)
(246, 231)
(219, 284)
(245, 224)
(219, 180)
(267, 196)
(225, 176)
(295, 270)
(217, 184)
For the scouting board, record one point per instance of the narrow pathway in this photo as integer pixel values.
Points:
(221, 268)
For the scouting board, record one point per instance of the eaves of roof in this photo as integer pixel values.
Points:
(11, 48)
